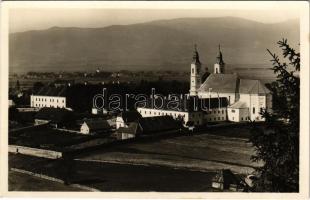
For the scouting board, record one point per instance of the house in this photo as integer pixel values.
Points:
(11, 103)
(131, 131)
(92, 126)
(148, 126)
(57, 117)
(226, 180)
(124, 118)
(49, 96)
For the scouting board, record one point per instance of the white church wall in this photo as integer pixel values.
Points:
(231, 97)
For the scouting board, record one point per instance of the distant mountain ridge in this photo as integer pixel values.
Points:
(155, 45)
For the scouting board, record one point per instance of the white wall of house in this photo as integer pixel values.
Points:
(84, 128)
(238, 114)
(47, 101)
(120, 122)
(255, 102)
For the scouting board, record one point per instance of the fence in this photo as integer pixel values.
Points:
(35, 152)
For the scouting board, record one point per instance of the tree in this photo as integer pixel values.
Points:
(277, 143)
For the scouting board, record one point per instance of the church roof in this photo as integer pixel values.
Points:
(248, 86)
(222, 83)
(239, 104)
(230, 83)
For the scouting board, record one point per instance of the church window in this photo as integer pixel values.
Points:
(222, 111)
(233, 111)
(193, 70)
(253, 110)
(241, 118)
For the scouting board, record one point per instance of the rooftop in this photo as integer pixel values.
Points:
(52, 91)
(223, 83)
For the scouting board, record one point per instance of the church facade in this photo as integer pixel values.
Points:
(245, 97)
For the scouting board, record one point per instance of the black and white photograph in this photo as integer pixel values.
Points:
(201, 97)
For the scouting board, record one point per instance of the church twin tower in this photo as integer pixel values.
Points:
(219, 68)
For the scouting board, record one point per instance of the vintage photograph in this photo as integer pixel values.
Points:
(154, 99)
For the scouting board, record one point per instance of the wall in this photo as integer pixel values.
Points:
(233, 114)
(35, 152)
(255, 102)
(238, 114)
(47, 101)
(196, 117)
(218, 114)
(229, 96)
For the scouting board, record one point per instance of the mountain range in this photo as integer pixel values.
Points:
(155, 45)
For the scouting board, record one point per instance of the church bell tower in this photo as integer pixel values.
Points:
(195, 74)
(219, 66)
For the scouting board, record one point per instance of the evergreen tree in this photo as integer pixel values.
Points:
(277, 143)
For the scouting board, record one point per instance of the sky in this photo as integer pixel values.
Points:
(36, 19)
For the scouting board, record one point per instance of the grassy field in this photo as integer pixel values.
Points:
(24, 182)
(203, 152)
(107, 176)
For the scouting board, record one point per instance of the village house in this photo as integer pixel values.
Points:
(93, 126)
(225, 180)
(148, 126)
(124, 118)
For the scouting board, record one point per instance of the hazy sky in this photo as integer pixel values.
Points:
(34, 19)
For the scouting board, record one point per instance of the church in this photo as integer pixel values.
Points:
(245, 97)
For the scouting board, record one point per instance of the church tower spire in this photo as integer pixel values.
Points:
(195, 81)
(219, 66)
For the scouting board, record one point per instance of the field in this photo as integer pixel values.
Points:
(24, 182)
(108, 176)
(202, 152)
(185, 163)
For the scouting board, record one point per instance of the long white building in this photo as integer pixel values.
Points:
(49, 96)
